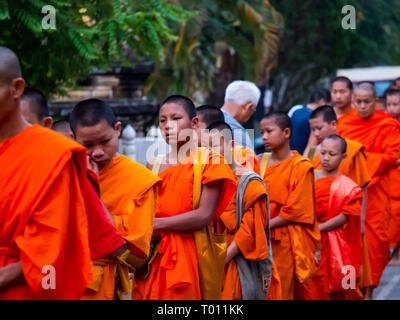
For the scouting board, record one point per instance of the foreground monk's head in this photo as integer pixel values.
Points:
(276, 129)
(393, 102)
(94, 126)
(178, 119)
(323, 122)
(241, 99)
(332, 153)
(11, 83)
(365, 99)
(34, 108)
(341, 92)
(220, 139)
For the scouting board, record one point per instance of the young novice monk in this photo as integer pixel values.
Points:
(174, 271)
(289, 179)
(128, 190)
(209, 114)
(338, 208)
(250, 239)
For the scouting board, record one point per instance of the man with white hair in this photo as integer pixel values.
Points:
(241, 99)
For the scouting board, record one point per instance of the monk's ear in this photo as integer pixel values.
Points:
(195, 122)
(118, 127)
(334, 123)
(18, 87)
(287, 132)
(72, 135)
(47, 122)
(344, 156)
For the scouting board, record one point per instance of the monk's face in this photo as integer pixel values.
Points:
(331, 155)
(341, 95)
(272, 135)
(100, 140)
(220, 144)
(364, 102)
(176, 126)
(393, 105)
(322, 129)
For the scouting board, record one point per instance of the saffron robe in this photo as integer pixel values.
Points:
(394, 226)
(334, 196)
(174, 271)
(129, 191)
(290, 186)
(247, 158)
(250, 238)
(380, 134)
(43, 221)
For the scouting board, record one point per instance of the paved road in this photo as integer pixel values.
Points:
(389, 288)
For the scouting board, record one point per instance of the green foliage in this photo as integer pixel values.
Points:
(89, 33)
(315, 45)
(246, 30)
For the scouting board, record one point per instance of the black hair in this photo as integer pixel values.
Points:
(184, 102)
(37, 102)
(327, 112)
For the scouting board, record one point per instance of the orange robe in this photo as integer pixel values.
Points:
(328, 205)
(43, 220)
(250, 238)
(174, 271)
(380, 134)
(394, 226)
(247, 158)
(129, 191)
(355, 167)
(290, 185)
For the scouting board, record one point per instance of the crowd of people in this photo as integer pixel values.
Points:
(315, 217)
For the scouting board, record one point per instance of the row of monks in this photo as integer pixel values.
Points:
(78, 219)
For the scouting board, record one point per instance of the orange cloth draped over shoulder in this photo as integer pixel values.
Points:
(174, 271)
(330, 200)
(380, 134)
(250, 238)
(43, 220)
(129, 191)
(247, 158)
(355, 164)
(290, 186)
(394, 226)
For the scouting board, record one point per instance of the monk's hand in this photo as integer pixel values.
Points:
(92, 165)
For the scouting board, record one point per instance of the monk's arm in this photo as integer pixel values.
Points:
(278, 222)
(11, 276)
(195, 219)
(334, 223)
(119, 251)
(232, 251)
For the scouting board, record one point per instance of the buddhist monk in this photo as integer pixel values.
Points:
(289, 178)
(338, 210)
(104, 239)
(393, 108)
(128, 190)
(207, 115)
(44, 247)
(380, 134)
(323, 122)
(341, 94)
(34, 108)
(174, 271)
(250, 239)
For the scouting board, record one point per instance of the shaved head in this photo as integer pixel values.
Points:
(366, 86)
(9, 65)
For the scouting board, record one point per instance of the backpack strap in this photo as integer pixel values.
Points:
(264, 162)
(200, 161)
(157, 163)
(311, 152)
(241, 189)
